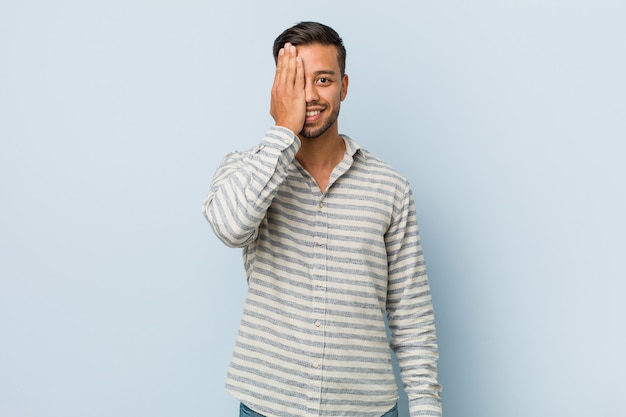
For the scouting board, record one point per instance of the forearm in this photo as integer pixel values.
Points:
(245, 185)
(415, 343)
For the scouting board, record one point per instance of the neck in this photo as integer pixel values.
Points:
(324, 151)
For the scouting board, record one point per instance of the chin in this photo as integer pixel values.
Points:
(315, 132)
(308, 134)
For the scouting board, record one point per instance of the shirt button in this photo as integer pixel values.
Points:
(321, 205)
(316, 365)
(318, 324)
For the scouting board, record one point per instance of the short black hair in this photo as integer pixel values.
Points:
(308, 33)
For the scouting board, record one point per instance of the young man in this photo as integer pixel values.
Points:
(330, 245)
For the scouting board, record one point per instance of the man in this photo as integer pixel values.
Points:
(330, 245)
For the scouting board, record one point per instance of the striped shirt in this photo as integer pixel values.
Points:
(323, 270)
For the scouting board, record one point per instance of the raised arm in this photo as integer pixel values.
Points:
(245, 185)
(246, 182)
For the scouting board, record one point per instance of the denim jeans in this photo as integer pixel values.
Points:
(246, 412)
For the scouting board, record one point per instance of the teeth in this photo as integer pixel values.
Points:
(312, 113)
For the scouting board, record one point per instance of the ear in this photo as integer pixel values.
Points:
(344, 87)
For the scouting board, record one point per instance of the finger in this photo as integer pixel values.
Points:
(279, 66)
(285, 67)
(290, 65)
(299, 77)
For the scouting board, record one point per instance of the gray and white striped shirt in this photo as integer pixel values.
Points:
(323, 269)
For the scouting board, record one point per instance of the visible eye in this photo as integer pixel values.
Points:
(323, 81)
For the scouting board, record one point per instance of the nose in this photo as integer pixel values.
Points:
(310, 92)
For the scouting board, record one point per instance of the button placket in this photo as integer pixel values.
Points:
(318, 285)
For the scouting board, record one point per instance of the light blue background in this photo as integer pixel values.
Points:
(508, 117)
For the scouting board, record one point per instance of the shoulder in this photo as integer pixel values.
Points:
(374, 168)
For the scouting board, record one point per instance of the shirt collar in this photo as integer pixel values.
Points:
(352, 148)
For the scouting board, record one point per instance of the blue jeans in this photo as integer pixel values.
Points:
(246, 412)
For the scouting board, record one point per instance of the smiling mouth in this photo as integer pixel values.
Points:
(312, 113)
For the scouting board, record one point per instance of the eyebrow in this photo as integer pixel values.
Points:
(324, 72)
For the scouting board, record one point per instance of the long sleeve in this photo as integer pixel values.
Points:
(410, 312)
(245, 184)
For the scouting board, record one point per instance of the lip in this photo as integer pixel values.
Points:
(313, 115)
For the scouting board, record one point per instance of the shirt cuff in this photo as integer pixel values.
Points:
(420, 408)
(281, 138)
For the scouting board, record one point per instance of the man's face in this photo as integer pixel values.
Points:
(324, 88)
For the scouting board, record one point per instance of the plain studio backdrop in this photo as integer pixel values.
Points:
(508, 118)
